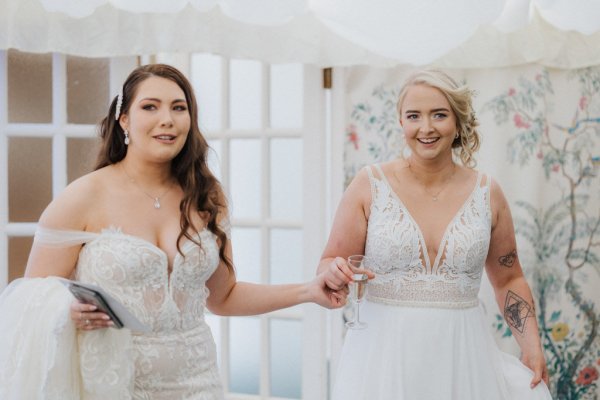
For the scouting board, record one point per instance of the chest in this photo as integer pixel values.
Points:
(132, 261)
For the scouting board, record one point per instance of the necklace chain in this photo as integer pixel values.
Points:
(435, 196)
(155, 198)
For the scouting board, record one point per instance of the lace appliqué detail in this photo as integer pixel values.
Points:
(178, 358)
(395, 247)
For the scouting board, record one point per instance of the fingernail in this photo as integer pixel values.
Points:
(110, 323)
(92, 308)
(105, 317)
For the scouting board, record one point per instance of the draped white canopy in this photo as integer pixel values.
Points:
(457, 33)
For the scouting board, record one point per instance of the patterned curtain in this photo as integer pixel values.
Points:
(540, 130)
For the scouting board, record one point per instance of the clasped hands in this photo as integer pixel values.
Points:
(338, 274)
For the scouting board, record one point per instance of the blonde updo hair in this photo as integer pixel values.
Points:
(460, 99)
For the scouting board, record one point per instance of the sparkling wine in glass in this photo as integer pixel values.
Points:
(358, 290)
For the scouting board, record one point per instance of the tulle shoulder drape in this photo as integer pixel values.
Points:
(49, 237)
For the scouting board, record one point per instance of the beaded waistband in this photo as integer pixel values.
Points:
(424, 304)
(423, 293)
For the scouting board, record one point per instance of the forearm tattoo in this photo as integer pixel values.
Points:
(509, 259)
(516, 311)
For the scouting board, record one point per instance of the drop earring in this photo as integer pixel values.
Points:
(126, 137)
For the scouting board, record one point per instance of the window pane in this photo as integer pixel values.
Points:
(245, 355)
(286, 96)
(81, 156)
(244, 167)
(286, 178)
(29, 178)
(286, 358)
(18, 253)
(245, 95)
(286, 256)
(246, 253)
(214, 158)
(207, 77)
(29, 87)
(87, 89)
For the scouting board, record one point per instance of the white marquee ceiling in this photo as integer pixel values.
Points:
(449, 33)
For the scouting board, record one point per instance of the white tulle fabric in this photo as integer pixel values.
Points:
(426, 337)
(41, 356)
(457, 34)
(177, 360)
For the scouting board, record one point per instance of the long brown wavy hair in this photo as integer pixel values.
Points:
(202, 192)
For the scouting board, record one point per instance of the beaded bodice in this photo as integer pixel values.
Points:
(397, 253)
(177, 358)
(135, 272)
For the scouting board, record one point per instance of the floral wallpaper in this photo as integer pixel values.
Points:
(541, 141)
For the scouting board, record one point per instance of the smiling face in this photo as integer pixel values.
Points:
(158, 120)
(428, 121)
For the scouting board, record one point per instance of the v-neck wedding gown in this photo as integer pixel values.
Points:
(427, 338)
(176, 360)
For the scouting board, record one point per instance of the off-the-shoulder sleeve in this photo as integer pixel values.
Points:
(61, 238)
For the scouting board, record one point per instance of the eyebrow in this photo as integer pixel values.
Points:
(433, 110)
(159, 100)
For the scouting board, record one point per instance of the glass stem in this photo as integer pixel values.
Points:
(358, 313)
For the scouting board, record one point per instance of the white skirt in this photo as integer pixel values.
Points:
(409, 353)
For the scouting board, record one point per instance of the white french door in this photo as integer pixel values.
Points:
(265, 124)
(49, 107)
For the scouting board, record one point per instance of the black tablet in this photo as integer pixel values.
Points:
(90, 296)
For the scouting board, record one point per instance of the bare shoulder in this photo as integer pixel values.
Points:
(496, 194)
(498, 202)
(72, 208)
(359, 188)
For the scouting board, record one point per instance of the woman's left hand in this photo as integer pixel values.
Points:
(537, 363)
(87, 318)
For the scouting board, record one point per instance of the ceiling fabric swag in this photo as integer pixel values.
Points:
(384, 33)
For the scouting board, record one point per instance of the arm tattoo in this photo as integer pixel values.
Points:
(516, 311)
(508, 260)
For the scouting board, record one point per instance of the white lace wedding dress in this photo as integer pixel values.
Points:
(427, 338)
(46, 358)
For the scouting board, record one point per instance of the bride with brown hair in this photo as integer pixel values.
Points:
(150, 226)
(428, 226)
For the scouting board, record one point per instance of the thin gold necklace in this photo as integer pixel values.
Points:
(434, 197)
(155, 198)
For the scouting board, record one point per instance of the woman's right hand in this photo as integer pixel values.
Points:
(87, 318)
(338, 273)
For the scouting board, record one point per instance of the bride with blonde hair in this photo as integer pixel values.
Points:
(428, 225)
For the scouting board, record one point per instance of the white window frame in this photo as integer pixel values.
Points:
(58, 130)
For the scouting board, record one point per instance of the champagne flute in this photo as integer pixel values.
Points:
(358, 290)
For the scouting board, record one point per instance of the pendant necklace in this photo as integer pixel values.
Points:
(155, 198)
(434, 197)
